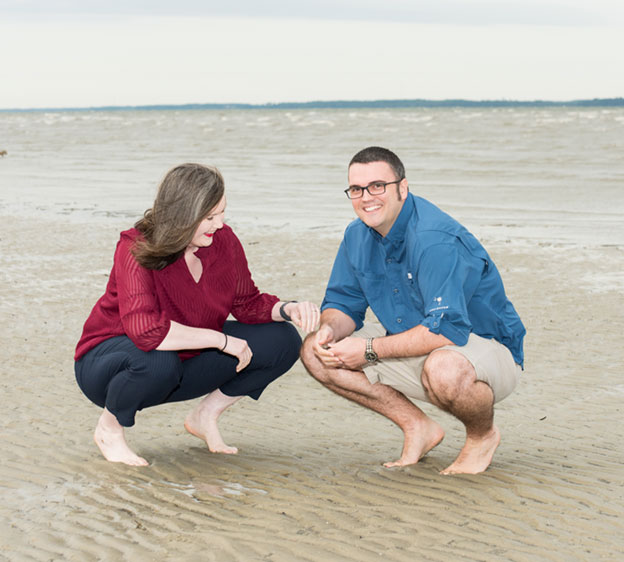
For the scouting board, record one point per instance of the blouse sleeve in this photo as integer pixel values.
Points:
(250, 306)
(142, 318)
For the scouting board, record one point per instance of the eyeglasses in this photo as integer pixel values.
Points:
(375, 188)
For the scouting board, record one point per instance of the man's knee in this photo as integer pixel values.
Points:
(445, 374)
(307, 352)
(310, 361)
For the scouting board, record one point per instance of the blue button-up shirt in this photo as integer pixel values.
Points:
(428, 270)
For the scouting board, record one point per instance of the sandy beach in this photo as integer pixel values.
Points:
(308, 483)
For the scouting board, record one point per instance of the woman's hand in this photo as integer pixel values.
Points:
(306, 314)
(239, 348)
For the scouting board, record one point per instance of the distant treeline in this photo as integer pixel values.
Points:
(372, 104)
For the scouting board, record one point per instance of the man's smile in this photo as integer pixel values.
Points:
(371, 207)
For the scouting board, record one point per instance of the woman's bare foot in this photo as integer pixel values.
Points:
(418, 441)
(202, 421)
(109, 437)
(476, 454)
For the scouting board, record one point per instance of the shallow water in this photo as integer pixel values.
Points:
(538, 174)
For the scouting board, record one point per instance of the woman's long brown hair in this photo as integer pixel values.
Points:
(185, 197)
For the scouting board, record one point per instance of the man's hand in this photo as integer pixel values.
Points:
(323, 339)
(349, 352)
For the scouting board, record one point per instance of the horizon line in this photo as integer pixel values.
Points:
(339, 104)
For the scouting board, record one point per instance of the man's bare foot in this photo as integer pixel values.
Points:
(476, 454)
(109, 437)
(202, 421)
(418, 441)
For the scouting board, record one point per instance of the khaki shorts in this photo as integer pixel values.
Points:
(491, 360)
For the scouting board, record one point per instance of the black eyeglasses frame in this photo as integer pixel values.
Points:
(366, 188)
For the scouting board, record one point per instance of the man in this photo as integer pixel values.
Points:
(450, 336)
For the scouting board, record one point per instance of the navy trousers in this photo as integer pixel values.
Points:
(119, 376)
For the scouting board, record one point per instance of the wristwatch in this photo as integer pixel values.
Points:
(370, 354)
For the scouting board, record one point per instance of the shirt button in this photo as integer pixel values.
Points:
(399, 320)
(395, 290)
(389, 260)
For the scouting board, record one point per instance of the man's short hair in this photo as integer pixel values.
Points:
(379, 154)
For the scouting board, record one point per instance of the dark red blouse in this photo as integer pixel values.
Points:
(141, 303)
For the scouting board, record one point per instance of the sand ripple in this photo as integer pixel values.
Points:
(308, 484)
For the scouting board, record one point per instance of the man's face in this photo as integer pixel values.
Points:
(377, 211)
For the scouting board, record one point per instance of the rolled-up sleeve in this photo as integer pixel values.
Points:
(344, 291)
(447, 278)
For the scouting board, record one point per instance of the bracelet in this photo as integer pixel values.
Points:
(283, 313)
(225, 344)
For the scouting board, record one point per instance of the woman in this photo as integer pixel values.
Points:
(159, 333)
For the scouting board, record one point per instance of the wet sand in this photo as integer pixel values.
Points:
(308, 482)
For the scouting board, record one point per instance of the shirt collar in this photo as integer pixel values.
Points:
(396, 236)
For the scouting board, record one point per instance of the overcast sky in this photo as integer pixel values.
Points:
(80, 53)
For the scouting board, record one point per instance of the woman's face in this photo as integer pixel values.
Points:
(207, 227)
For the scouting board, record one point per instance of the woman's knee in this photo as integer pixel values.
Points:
(288, 341)
(293, 338)
(274, 343)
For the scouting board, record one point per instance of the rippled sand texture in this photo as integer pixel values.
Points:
(308, 483)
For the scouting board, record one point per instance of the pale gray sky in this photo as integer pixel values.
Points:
(138, 52)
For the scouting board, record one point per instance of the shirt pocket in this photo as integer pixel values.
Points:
(373, 286)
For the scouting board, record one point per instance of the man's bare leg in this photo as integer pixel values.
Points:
(451, 384)
(202, 421)
(110, 438)
(421, 434)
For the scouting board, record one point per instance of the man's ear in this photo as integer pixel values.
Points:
(403, 188)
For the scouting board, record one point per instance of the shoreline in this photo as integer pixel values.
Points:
(341, 104)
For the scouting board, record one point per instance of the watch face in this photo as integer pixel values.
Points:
(370, 354)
